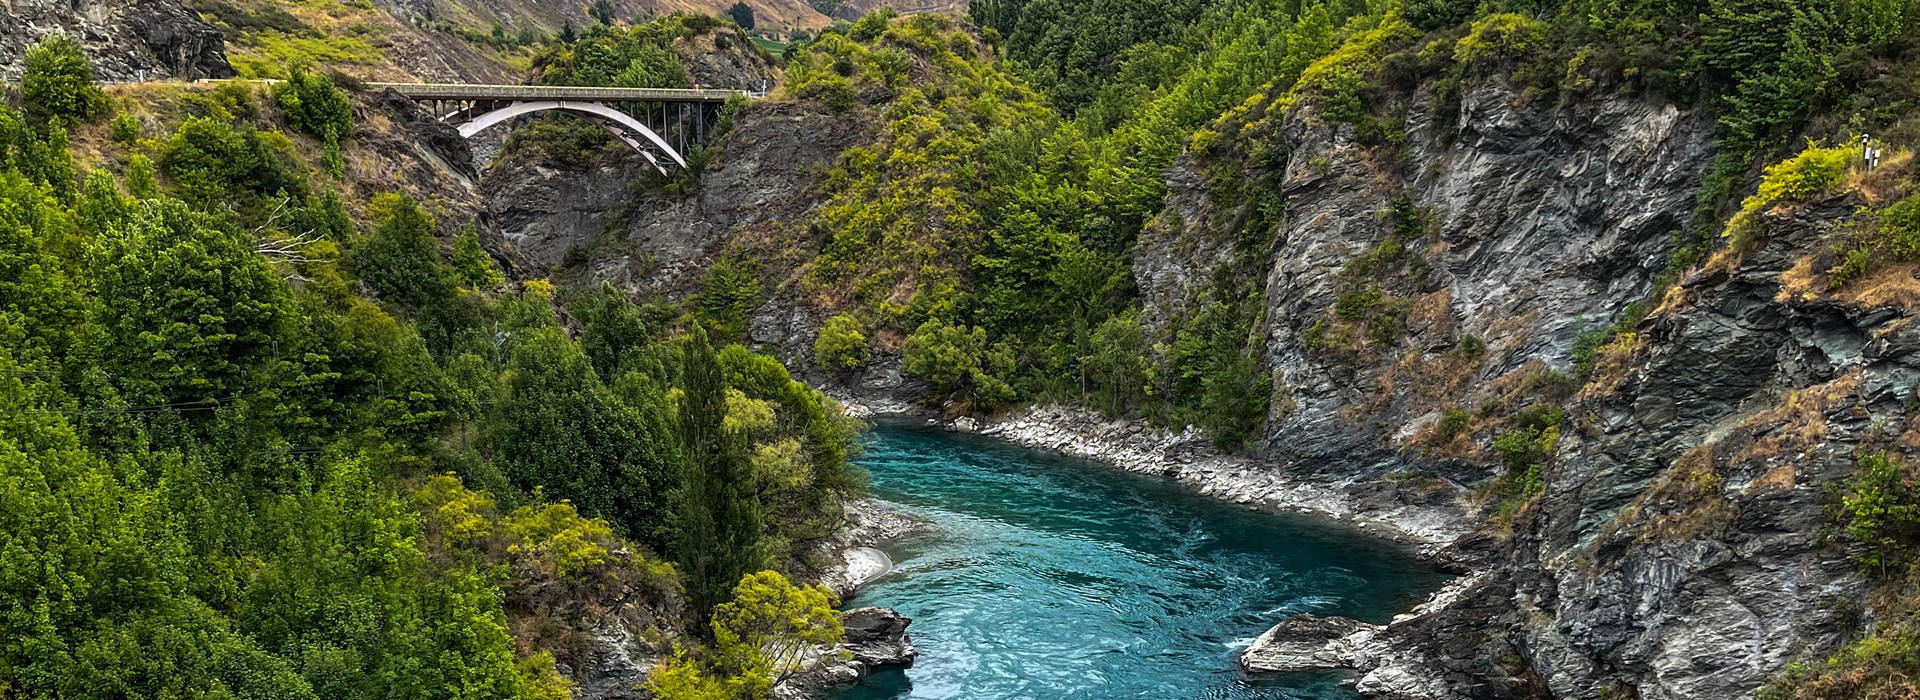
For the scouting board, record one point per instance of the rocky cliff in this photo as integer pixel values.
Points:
(650, 239)
(1680, 544)
(126, 40)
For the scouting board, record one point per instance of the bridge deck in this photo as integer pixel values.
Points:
(438, 91)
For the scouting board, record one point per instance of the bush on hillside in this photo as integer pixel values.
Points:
(842, 345)
(1796, 179)
(313, 105)
(57, 81)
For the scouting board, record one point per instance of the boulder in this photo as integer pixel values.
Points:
(1304, 642)
(878, 637)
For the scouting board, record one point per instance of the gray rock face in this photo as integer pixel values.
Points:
(1546, 221)
(761, 178)
(759, 185)
(1678, 550)
(544, 208)
(724, 58)
(878, 637)
(162, 38)
(1684, 549)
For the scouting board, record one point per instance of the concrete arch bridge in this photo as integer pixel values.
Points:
(662, 124)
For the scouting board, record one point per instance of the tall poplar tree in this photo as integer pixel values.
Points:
(716, 519)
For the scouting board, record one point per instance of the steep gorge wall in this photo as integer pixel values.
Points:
(1542, 220)
(1682, 545)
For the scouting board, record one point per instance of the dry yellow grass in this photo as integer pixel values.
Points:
(1889, 286)
(1782, 477)
(1882, 185)
(1796, 424)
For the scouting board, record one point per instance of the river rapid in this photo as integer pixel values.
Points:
(1051, 577)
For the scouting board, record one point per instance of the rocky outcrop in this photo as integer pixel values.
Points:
(878, 638)
(157, 40)
(1681, 546)
(1684, 551)
(1542, 221)
(1304, 642)
(752, 193)
(726, 58)
(546, 207)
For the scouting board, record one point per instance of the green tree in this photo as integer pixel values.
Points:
(190, 308)
(612, 330)
(400, 259)
(141, 182)
(211, 162)
(842, 345)
(1117, 368)
(742, 14)
(1883, 511)
(602, 12)
(562, 430)
(471, 263)
(57, 80)
(728, 293)
(716, 513)
(770, 623)
(313, 105)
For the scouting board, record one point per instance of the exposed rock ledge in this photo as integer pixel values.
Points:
(854, 560)
(1396, 660)
(876, 638)
(1188, 457)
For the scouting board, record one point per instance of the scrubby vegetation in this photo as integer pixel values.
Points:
(229, 473)
(1881, 508)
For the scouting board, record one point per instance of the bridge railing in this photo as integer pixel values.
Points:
(443, 91)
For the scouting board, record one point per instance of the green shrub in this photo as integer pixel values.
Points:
(728, 294)
(562, 137)
(472, 265)
(842, 345)
(1803, 177)
(1883, 512)
(1899, 229)
(57, 81)
(211, 162)
(873, 24)
(1454, 421)
(400, 259)
(1501, 36)
(945, 354)
(313, 106)
(126, 128)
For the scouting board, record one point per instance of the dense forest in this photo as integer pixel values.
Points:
(258, 447)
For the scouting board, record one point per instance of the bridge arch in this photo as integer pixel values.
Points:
(598, 113)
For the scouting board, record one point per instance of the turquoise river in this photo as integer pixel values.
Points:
(1050, 578)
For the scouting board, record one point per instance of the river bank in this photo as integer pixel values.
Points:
(1418, 513)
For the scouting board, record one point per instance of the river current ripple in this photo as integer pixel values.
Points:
(1049, 577)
